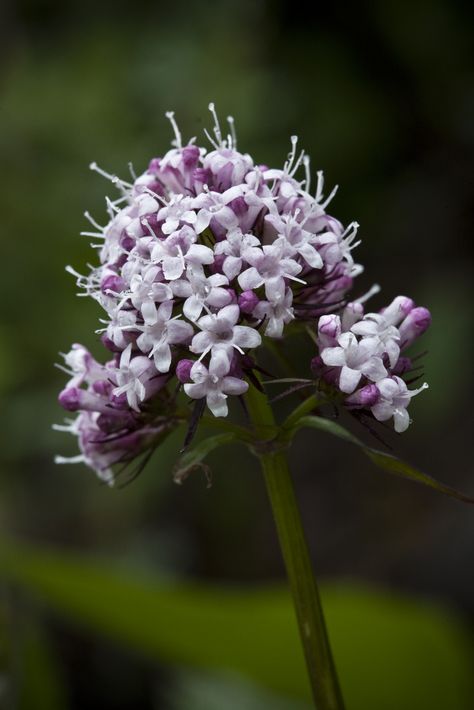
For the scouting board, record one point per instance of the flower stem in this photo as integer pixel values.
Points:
(314, 637)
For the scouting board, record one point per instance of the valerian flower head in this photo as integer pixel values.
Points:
(206, 256)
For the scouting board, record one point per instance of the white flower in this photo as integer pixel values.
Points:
(178, 250)
(277, 314)
(220, 332)
(294, 239)
(131, 375)
(337, 247)
(214, 205)
(394, 400)
(201, 292)
(269, 268)
(160, 331)
(356, 359)
(145, 288)
(374, 325)
(234, 248)
(179, 209)
(120, 320)
(214, 384)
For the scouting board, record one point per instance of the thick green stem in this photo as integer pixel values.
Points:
(314, 637)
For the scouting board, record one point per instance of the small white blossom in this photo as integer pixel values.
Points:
(276, 314)
(234, 248)
(130, 377)
(269, 268)
(220, 332)
(394, 400)
(356, 359)
(160, 331)
(215, 385)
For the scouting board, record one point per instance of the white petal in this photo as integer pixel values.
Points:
(234, 385)
(401, 420)
(349, 379)
(216, 401)
(173, 267)
(250, 279)
(246, 337)
(333, 357)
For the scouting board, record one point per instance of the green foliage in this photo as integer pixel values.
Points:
(391, 652)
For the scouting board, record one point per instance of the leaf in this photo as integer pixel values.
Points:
(194, 457)
(383, 460)
(391, 653)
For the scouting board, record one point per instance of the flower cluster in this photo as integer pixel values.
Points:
(360, 355)
(204, 256)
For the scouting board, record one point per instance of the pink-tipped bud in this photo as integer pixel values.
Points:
(351, 314)
(112, 284)
(248, 301)
(183, 371)
(414, 325)
(70, 398)
(329, 329)
(399, 308)
(365, 397)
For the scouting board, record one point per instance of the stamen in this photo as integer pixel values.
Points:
(217, 128)
(306, 163)
(95, 224)
(291, 155)
(233, 134)
(177, 141)
(371, 292)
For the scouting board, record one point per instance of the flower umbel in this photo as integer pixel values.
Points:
(206, 255)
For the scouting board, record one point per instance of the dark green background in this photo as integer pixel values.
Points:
(382, 97)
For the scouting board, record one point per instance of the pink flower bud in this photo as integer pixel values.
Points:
(398, 310)
(183, 371)
(329, 329)
(365, 397)
(248, 301)
(414, 325)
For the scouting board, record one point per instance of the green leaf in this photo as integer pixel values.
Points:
(391, 653)
(194, 456)
(383, 460)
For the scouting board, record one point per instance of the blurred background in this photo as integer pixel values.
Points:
(382, 97)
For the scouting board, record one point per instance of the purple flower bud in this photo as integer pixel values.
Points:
(398, 310)
(109, 344)
(329, 329)
(183, 371)
(102, 387)
(154, 166)
(112, 283)
(365, 397)
(190, 155)
(216, 266)
(414, 325)
(248, 301)
(69, 398)
(239, 206)
(402, 365)
(127, 242)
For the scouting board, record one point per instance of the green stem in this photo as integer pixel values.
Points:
(314, 637)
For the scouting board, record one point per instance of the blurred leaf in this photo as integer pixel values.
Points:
(388, 462)
(36, 676)
(391, 653)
